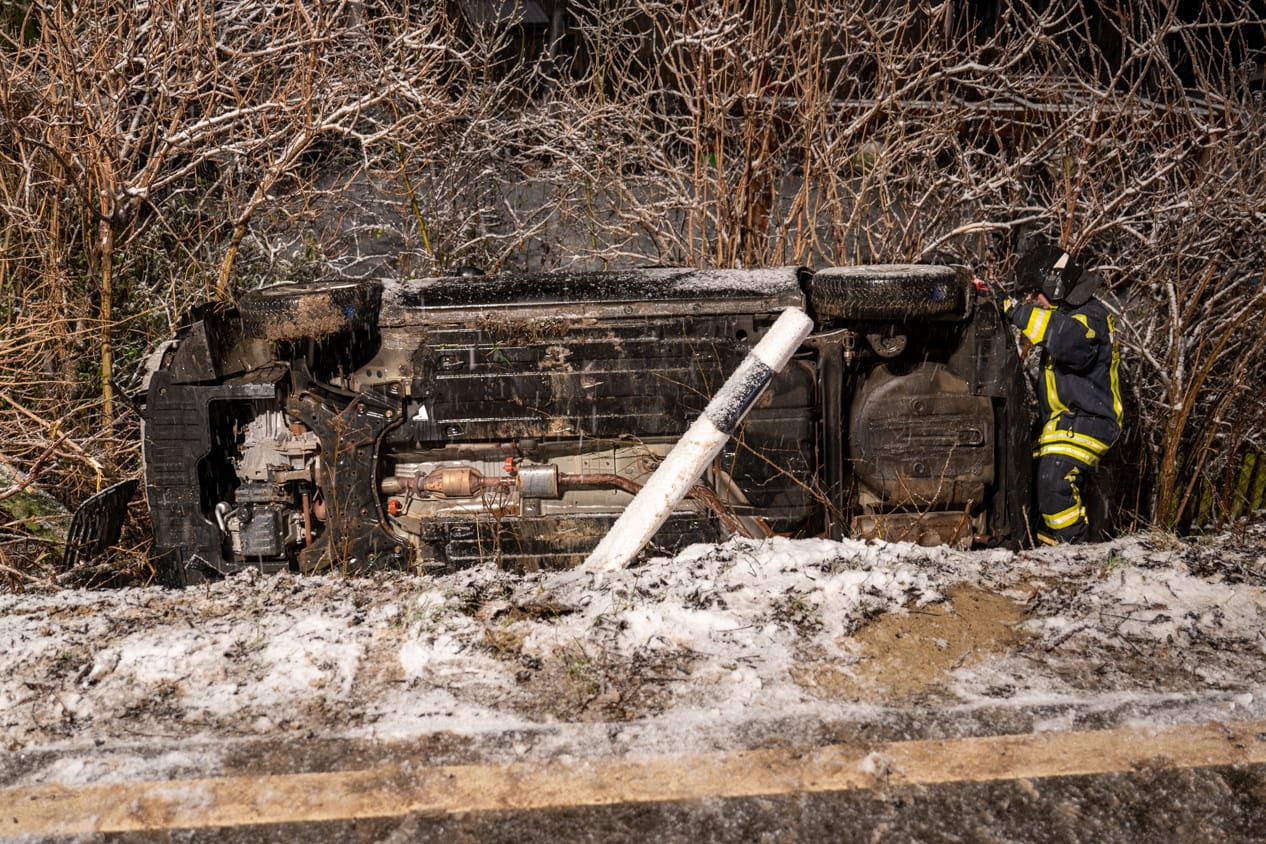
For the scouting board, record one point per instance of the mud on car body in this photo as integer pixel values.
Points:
(434, 423)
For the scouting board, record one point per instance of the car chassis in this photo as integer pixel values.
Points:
(435, 423)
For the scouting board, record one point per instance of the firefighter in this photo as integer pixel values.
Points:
(1079, 387)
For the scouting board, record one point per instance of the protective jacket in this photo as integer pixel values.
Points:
(1080, 392)
(1080, 388)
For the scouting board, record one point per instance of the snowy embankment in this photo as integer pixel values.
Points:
(679, 652)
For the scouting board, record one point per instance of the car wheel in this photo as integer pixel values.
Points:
(309, 310)
(889, 291)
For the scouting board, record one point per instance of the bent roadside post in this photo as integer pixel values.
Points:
(674, 477)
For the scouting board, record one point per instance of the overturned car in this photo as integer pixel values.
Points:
(435, 423)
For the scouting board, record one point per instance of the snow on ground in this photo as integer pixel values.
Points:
(686, 649)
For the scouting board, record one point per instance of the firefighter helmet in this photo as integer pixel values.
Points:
(1053, 272)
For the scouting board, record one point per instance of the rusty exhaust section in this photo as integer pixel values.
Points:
(539, 481)
(446, 482)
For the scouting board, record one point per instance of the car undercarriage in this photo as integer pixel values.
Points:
(431, 424)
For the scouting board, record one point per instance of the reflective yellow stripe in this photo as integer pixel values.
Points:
(1069, 450)
(1065, 518)
(1072, 515)
(1084, 320)
(1051, 434)
(1115, 370)
(1052, 394)
(1039, 321)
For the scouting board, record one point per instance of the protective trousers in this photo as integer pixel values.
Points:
(1059, 480)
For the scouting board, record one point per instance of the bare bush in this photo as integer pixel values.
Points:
(156, 154)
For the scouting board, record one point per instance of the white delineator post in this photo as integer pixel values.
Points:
(674, 477)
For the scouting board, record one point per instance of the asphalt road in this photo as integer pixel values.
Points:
(1201, 781)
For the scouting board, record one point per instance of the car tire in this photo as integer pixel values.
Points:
(309, 310)
(889, 291)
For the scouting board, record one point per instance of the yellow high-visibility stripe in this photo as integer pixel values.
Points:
(1084, 320)
(1115, 372)
(1065, 518)
(1052, 394)
(1051, 434)
(1039, 321)
(1069, 450)
(1072, 515)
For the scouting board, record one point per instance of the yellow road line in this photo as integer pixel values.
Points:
(405, 788)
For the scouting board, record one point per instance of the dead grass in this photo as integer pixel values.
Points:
(145, 167)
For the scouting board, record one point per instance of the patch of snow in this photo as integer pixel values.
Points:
(666, 655)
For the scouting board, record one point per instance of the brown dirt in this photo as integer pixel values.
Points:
(900, 656)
